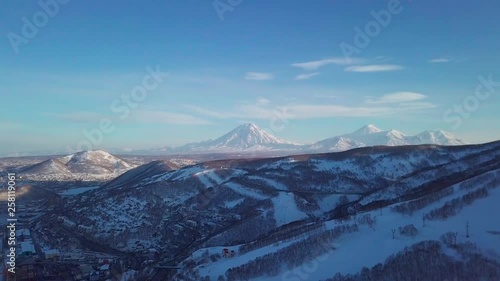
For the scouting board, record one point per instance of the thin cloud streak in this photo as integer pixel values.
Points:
(162, 117)
(313, 65)
(374, 68)
(139, 116)
(306, 76)
(77, 116)
(261, 76)
(385, 105)
(399, 97)
(439, 60)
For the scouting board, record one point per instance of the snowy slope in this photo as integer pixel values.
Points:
(335, 144)
(250, 138)
(267, 204)
(370, 135)
(246, 137)
(95, 165)
(435, 137)
(371, 245)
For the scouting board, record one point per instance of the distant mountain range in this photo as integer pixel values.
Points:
(370, 135)
(250, 138)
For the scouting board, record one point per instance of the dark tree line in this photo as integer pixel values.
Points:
(292, 256)
(452, 207)
(408, 230)
(285, 233)
(305, 205)
(487, 180)
(426, 261)
(408, 208)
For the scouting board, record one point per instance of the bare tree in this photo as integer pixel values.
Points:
(393, 233)
(342, 200)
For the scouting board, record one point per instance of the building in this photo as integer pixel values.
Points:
(53, 255)
(84, 228)
(94, 276)
(73, 257)
(23, 234)
(26, 249)
(104, 270)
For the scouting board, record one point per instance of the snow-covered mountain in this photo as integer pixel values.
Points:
(335, 144)
(85, 165)
(280, 214)
(435, 137)
(370, 135)
(244, 138)
(249, 138)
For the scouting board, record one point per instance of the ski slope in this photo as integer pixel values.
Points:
(371, 246)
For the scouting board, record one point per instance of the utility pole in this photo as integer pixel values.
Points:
(454, 235)
(467, 230)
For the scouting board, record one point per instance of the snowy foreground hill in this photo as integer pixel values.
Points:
(94, 165)
(377, 213)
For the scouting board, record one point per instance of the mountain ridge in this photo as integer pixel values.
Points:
(83, 165)
(247, 204)
(250, 138)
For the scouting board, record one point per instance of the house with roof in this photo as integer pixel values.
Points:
(52, 254)
(26, 249)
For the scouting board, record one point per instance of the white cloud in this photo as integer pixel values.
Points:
(137, 116)
(259, 76)
(373, 68)
(263, 101)
(385, 105)
(210, 113)
(439, 60)
(399, 97)
(162, 117)
(313, 65)
(308, 111)
(417, 105)
(380, 59)
(325, 96)
(78, 116)
(306, 76)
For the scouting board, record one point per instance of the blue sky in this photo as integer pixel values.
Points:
(278, 64)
